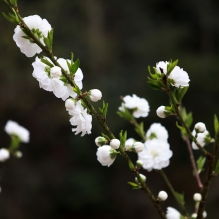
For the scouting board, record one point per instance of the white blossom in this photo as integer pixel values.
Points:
(157, 131)
(115, 143)
(104, 155)
(39, 26)
(156, 154)
(162, 196)
(161, 112)
(172, 213)
(200, 127)
(4, 154)
(139, 105)
(162, 67)
(42, 73)
(81, 119)
(13, 128)
(129, 143)
(95, 95)
(138, 147)
(197, 197)
(201, 139)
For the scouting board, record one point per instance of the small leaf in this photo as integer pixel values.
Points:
(12, 18)
(216, 124)
(45, 61)
(171, 66)
(134, 185)
(122, 138)
(183, 130)
(216, 171)
(154, 84)
(105, 136)
(200, 163)
(50, 37)
(179, 197)
(104, 109)
(75, 66)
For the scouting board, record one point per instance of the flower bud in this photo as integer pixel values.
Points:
(55, 72)
(100, 141)
(161, 112)
(162, 196)
(4, 154)
(143, 178)
(197, 197)
(139, 163)
(129, 143)
(69, 104)
(115, 143)
(18, 154)
(95, 95)
(194, 215)
(138, 147)
(200, 127)
(204, 214)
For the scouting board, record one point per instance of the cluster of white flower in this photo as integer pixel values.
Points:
(156, 153)
(178, 77)
(79, 117)
(201, 134)
(139, 105)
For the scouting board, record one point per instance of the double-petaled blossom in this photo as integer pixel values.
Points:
(49, 78)
(172, 213)
(157, 131)
(79, 117)
(202, 138)
(40, 28)
(13, 128)
(177, 77)
(139, 106)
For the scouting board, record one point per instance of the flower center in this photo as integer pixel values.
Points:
(154, 153)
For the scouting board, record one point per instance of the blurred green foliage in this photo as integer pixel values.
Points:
(59, 176)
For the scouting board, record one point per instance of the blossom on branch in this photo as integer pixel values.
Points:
(13, 128)
(202, 138)
(40, 27)
(157, 131)
(106, 155)
(139, 106)
(172, 213)
(95, 95)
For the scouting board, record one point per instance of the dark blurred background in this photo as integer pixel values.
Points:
(58, 176)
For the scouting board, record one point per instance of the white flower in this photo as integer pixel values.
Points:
(69, 104)
(138, 147)
(99, 141)
(48, 82)
(201, 138)
(115, 143)
(81, 119)
(139, 105)
(4, 154)
(162, 67)
(197, 197)
(172, 213)
(55, 72)
(95, 95)
(156, 154)
(179, 77)
(200, 127)
(157, 131)
(204, 214)
(194, 215)
(104, 155)
(13, 128)
(162, 195)
(129, 143)
(143, 178)
(161, 112)
(39, 26)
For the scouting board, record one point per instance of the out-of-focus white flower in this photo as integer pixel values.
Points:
(42, 73)
(179, 77)
(200, 127)
(4, 154)
(172, 213)
(162, 196)
(95, 95)
(202, 139)
(143, 178)
(162, 67)
(81, 119)
(138, 147)
(157, 131)
(194, 215)
(161, 112)
(18, 154)
(129, 143)
(100, 141)
(55, 72)
(139, 105)
(39, 26)
(13, 128)
(115, 143)
(197, 197)
(156, 154)
(204, 214)
(104, 155)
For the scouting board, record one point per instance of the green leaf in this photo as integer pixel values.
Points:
(154, 84)
(182, 129)
(134, 185)
(216, 125)
(13, 2)
(104, 109)
(216, 171)
(105, 136)
(179, 197)
(50, 37)
(126, 114)
(188, 119)
(75, 66)
(122, 138)
(11, 18)
(200, 163)
(171, 66)
(140, 129)
(45, 61)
